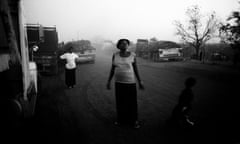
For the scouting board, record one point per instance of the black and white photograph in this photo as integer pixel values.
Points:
(120, 71)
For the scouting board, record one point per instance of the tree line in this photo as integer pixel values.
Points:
(201, 28)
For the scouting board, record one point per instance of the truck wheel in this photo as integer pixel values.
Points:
(14, 108)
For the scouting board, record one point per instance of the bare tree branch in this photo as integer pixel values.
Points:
(193, 34)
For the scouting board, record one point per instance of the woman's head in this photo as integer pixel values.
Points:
(70, 49)
(123, 44)
(190, 82)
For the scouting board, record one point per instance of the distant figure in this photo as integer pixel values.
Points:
(70, 67)
(180, 113)
(124, 68)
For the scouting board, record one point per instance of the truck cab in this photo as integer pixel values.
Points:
(46, 40)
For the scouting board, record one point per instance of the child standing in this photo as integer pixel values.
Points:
(181, 111)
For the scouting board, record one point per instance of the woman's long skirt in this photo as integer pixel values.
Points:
(70, 78)
(126, 103)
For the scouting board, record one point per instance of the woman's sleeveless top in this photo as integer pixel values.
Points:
(124, 72)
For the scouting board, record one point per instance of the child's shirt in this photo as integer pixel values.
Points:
(186, 97)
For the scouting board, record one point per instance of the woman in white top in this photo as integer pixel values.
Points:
(124, 69)
(70, 67)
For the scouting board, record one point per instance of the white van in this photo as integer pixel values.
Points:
(170, 54)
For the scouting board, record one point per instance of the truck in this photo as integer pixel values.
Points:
(87, 56)
(169, 50)
(43, 44)
(159, 50)
(85, 51)
(19, 81)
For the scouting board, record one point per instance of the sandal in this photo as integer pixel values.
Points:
(137, 125)
(116, 123)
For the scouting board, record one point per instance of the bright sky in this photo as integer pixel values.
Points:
(114, 19)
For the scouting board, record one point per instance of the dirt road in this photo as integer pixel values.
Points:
(85, 114)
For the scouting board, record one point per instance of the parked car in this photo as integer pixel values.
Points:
(219, 56)
(170, 53)
(86, 58)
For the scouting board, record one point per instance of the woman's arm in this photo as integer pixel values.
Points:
(63, 56)
(111, 74)
(135, 68)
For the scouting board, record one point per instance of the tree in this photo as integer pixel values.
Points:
(195, 33)
(230, 33)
